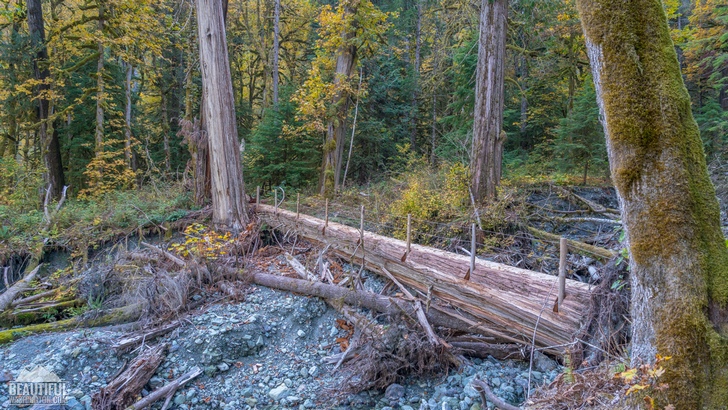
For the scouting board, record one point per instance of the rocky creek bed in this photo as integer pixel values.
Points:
(266, 352)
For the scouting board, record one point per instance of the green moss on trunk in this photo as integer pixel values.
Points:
(678, 256)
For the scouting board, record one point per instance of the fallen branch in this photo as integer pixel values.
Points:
(19, 287)
(593, 206)
(499, 351)
(177, 261)
(421, 317)
(132, 341)
(485, 393)
(124, 389)
(166, 391)
(33, 298)
(299, 268)
(580, 247)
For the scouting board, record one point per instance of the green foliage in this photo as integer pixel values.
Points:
(579, 143)
(430, 197)
(279, 152)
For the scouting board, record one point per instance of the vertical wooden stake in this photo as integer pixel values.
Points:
(257, 194)
(361, 227)
(563, 250)
(326, 212)
(472, 252)
(298, 201)
(409, 237)
(275, 196)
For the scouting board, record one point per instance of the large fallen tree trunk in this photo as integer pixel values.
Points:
(498, 300)
(104, 318)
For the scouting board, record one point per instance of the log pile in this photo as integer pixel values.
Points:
(510, 304)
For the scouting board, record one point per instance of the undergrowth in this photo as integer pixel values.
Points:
(81, 225)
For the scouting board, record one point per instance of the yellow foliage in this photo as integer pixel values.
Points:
(204, 242)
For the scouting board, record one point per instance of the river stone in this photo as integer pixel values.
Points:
(279, 392)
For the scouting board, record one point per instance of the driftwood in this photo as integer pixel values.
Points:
(497, 350)
(369, 300)
(166, 391)
(124, 389)
(593, 206)
(33, 298)
(174, 259)
(19, 287)
(498, 300)
(132, 341)
(485, 393)
(576, 246)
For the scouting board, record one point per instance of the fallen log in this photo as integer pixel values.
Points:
(19, 287)
(166, 391)
(124, 389)
(131, 341)
(110, 317)
(576, 246)
(341, 295)
(36, 314)
(499, 300)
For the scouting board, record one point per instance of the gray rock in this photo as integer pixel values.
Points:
(542, 363)
(223, 367)
(394, 392)
(179, 399)
(309, 404)
(279, 392)
(313, 371)
(304, 372)
(301, 333)
(496, 382)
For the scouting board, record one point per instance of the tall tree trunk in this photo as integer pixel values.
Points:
(276, 48)
(128, 156)
(678, 256)
(433, 131)
(488, 118)
(99, 133)
(50, 147)
(416, 78)
(336, 128)
(165, 128)
(229, 207)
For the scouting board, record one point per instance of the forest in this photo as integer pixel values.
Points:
(490, 130)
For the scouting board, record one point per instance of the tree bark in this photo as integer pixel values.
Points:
(416, 78)
(276, 48)
(128, 156)
(489, 99)
(336, 129)
(229, 208)
(99, 133)
(50, 147)
(678, 256)
(501, 301)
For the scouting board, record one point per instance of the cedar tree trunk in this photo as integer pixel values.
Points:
(488, 117)
(229, 208)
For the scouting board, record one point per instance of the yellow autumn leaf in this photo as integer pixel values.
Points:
(635, 388)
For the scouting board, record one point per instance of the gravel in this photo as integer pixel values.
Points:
(266, 352)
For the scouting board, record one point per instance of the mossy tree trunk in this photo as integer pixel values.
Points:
(336, 128)
(229, 207)
(678, 256)
(486, 155)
